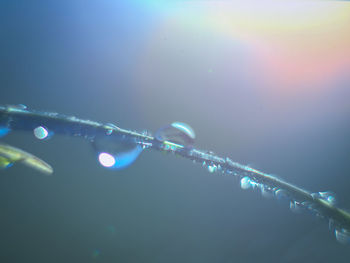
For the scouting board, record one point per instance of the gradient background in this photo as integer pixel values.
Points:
(264, 82)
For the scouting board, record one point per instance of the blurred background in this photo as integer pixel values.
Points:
(264, 82)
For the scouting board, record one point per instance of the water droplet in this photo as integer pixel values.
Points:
(110, 127)
(331, 224)
(42, 133)
(166, 147)
(177, 132)
(246, 183)
(4, 130)
(146, 133)
(295, 206)
(227, 171)
(212, 168)
(281, 194)
(145, 145)
(342, 235)
(116, 154)
(119, 160)
(266, 191)
(327, 196)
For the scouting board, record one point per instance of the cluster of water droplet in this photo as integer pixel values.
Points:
(266, 191)
(342, 234)
(213, 168)
(122, 152)
(40, 132)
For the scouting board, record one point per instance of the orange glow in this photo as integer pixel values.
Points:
(294, 44)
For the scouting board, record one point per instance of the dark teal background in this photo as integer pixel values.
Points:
(82, 58)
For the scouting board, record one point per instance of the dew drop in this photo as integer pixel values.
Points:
(4, 130)
(281, 194)
(331, 224)
(266, 191)
(342, 235)
(246, 183)
(212, 168)
(110, 127)
(295, 206)
(229, 172)
(42, 133)
(119, 160)
(327, 196)
(167, 147)
(177, 132)
(116, 153)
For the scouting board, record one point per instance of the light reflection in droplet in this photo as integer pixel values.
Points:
(212, 168)
(327, 196)
(184, 128)
(177, 132)
(41, 133)
(106, 159)
(110, 127)
(266, 191)
(281, 195)
(295, 206)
